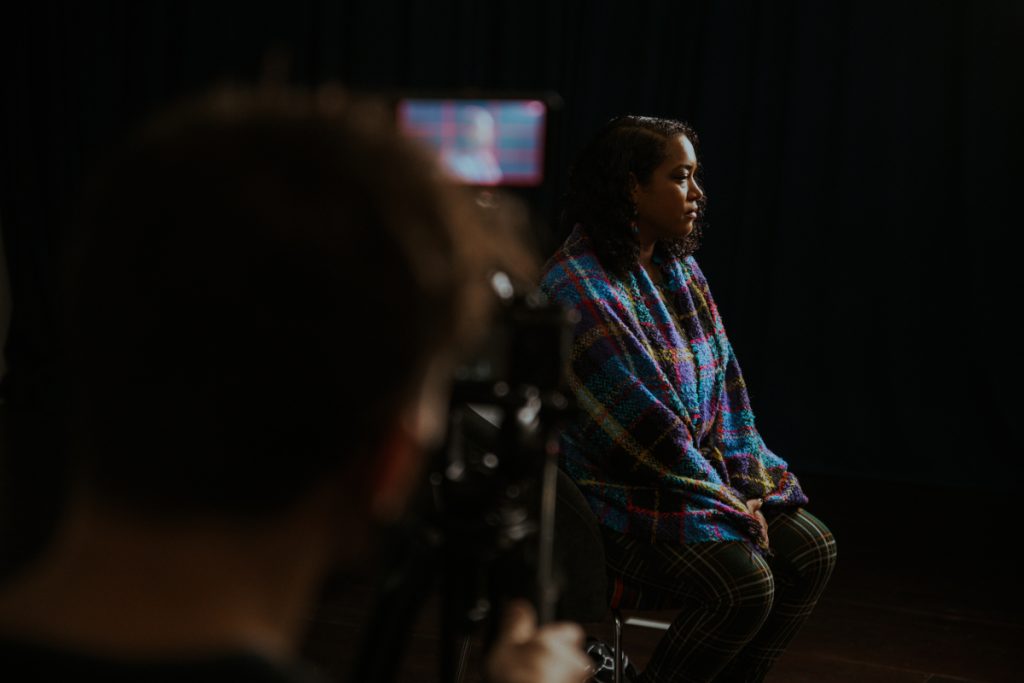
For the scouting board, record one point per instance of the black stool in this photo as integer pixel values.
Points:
(580, 561)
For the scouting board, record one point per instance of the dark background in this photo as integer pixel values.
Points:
(862, 159)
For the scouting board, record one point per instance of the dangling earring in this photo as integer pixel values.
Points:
(634, 227)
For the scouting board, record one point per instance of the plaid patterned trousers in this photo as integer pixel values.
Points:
(738, 609)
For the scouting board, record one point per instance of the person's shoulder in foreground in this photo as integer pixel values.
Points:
(27, 661)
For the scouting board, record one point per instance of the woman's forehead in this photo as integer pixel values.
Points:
(679, 150)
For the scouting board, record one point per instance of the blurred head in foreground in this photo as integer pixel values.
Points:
(267, 290)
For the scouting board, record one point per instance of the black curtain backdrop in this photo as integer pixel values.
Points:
(863, 163)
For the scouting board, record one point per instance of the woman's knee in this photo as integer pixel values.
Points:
(804, 547)
(740, 587)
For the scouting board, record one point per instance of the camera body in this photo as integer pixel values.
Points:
(493, 483)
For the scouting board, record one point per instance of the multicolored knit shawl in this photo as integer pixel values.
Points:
(664, 447)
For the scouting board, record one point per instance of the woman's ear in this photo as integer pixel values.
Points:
(634, 188)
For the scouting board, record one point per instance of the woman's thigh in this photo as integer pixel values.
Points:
(664, 575)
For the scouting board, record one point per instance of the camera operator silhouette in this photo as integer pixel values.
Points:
(260, 319)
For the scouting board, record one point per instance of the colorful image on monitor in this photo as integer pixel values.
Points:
(481, 142)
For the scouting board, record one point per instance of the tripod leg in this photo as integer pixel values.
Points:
(618, 646)
(460, 669)
(400, 597)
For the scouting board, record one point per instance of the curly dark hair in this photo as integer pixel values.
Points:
(599, 196)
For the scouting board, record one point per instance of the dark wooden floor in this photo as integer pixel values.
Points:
(927, 588)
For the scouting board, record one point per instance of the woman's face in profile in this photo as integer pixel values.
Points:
(668, 204)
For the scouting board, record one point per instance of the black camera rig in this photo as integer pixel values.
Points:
(485, 529)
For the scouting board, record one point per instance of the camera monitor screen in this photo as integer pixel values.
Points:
(490, 142)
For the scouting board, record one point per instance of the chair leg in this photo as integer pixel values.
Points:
(618, 646)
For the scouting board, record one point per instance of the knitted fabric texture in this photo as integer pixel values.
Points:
(664, 446)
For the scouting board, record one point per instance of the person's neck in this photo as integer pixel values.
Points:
(110, 584)
(646, 257)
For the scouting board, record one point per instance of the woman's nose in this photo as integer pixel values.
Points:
(696, 191)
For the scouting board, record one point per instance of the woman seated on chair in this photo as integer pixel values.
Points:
(697, 512)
